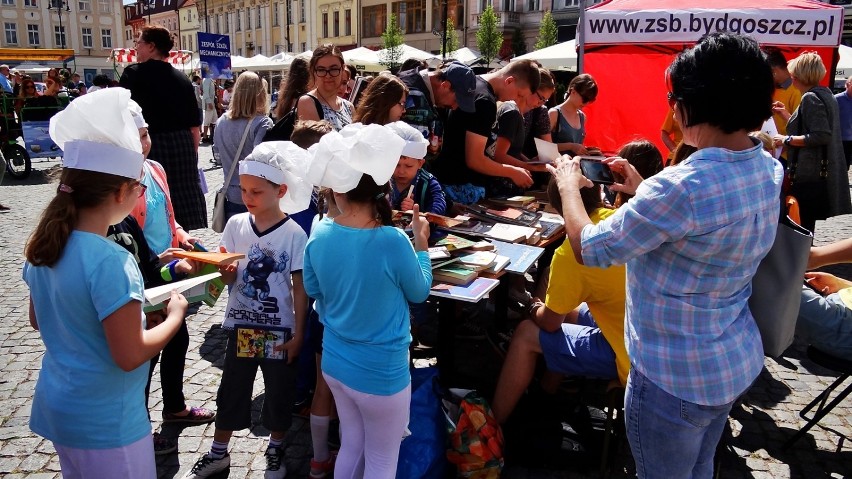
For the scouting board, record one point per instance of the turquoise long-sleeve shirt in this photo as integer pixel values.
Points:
(362, 281)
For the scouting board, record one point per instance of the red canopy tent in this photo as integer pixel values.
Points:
(628, 44)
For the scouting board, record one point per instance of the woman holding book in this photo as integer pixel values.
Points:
(362, 293)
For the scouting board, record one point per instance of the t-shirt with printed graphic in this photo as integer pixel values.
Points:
(420, 111)
(261, 295)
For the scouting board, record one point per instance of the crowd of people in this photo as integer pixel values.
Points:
(649, 290)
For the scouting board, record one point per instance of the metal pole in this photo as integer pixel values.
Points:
(581, 40)
(206, 18)
(61, 30)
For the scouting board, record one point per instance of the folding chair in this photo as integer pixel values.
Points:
(833, 363)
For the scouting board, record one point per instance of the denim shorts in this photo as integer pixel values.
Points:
(578, 350)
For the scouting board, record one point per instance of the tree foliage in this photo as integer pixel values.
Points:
(392, 41)
(452, 38)
(547, 34)
(488, 37)
(519, 46)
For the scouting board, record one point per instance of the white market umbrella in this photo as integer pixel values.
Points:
(410, 52)
(363, 59)
(466, 55)
(562, 56)
(844, 66)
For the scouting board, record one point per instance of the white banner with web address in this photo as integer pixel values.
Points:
(817, 27)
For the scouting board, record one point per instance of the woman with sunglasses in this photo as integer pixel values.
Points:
(42, 108)
(567, 121)
(27, 90)
(322, 103)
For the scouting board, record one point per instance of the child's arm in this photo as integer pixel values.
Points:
(131, 346)
(435, 193)
(300, 307)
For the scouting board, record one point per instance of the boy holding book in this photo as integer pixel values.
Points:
(410, 183)
(265, 317)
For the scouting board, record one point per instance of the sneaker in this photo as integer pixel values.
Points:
(319, 470)
(207, 466)
(499, 340)
(163, 445)
(197, 415)
(274, 466)
(302, 406)
(4, 208)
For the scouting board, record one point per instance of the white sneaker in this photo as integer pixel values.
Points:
(207, 466)
(274, 464)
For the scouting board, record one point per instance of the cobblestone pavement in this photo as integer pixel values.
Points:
(767, 417)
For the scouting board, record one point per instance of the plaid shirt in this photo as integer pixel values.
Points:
(692, 238)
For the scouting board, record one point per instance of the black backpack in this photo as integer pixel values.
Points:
(283, 128)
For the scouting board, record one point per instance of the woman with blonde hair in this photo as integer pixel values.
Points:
(383, 101)
(244, 124)
(322, 103)
(816, 168)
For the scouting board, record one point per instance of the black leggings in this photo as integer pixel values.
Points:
(171, 371)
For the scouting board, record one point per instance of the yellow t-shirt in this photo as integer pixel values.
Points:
(603, 289)
(790, 97)
(670, 126)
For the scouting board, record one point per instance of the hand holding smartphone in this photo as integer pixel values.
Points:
(596, 170)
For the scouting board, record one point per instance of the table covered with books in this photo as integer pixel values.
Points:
(476, 253)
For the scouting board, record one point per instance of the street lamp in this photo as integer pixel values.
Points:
(59, 5)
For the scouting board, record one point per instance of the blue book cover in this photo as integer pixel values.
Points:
(521, 256)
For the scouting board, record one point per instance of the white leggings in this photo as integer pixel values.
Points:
(371, 429)
(133, 461)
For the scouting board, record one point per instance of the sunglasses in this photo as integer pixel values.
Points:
(322, 72)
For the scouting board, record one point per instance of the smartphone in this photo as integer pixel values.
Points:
(596, 170)
(198, 247)
(813, 288)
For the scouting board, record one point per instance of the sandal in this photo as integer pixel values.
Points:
(197, 415)
(319, 470)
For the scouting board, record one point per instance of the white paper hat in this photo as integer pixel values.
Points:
(415, 143)
(283, 163)
(96, 132)
(339, 159)
(136, 111)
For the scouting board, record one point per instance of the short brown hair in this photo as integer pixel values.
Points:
(308, 132)
(159, 37)
(525, 72)
(379, 97)
(324, 50)
(585, 85)
(591, 197)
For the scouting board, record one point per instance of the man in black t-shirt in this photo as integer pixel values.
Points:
(462, 167)
(450, 87)
(167, 98)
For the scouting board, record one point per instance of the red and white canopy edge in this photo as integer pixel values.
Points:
(128, 55)
(626, 45)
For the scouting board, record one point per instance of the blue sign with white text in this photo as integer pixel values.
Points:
(214, 51)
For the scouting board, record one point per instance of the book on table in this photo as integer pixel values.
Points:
(478, 260)
(515, 216)
(500, 263)
(517, 201)
(438, 252)
(521, 256)
(455, 243)
(453, 274)
(472, 292)
(511, 233)
(551, 224)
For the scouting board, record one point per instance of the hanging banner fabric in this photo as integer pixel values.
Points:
(816, 26)
(214, 51)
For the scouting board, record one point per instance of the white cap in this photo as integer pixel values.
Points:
(96, 132)
(415, 143)
(340, 158)
(283, 163)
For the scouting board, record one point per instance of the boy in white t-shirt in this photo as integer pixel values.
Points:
(265, 317)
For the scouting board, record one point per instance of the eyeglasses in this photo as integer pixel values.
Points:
(143, 186)
(672, 99)
(402, 104)
(334, 72)
(540, 97)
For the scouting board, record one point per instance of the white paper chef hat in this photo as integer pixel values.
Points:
(96, 132)
(136, 111)
(415, 143)
(283, 163)
(340, 158)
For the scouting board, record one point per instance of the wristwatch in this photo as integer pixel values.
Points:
(787, 140)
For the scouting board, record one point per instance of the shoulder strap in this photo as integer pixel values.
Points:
(318, 105)
(239, 150)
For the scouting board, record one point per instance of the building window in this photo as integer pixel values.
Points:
(483, 4)
(106, 37)
(304, 47)
(289, 7)
(84, 5)
(347, 22)
(226, 25)
(104, 6)
(87, 38)
(32, 35)
(325, 25)
(278, 48)
(259, 18)
(240, 51)
(59, 36)
(7, 2)
(411, 15)
(560, 4)
(336, 23)
(260, 50)
(374, 20)
(533, 5)
(11, 33)
(301, 11)
(238, 17)
(248, 18)
(30, 3)
(455, 12)
(276, 14)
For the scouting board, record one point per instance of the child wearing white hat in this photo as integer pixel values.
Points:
(410, 183)
(265, 316)
(86, 298)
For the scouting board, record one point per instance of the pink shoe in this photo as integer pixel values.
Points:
(319, 470)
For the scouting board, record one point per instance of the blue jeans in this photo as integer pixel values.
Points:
(825, 322)
(670, 438)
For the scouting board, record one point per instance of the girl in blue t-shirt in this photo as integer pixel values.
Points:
(86, 300)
